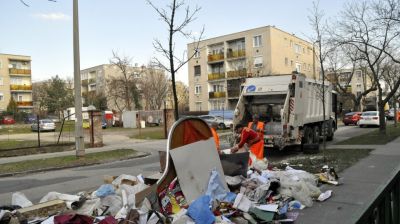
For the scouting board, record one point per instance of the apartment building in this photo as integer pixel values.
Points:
(355, 83)
(94, 80)
(16, 81)
(221, 64)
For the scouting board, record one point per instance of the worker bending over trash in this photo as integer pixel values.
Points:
(248, 137)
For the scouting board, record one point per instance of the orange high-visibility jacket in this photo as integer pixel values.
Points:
(216, 138)
(258, 148)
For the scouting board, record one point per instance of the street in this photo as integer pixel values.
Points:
(74, 180)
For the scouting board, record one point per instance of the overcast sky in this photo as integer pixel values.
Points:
(44, 29)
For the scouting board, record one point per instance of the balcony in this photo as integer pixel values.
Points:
(25, 103)
(215, 76)
(92, 81)
(84, 82)
(21, 87)
(16, 71)
(236, 54)
(213, 95)
(233, 93)
(215, 57)
(237, 74)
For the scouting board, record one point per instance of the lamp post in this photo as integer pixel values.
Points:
(79, 139)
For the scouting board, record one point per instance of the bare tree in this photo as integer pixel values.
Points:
(372, 27)
(169, 16)
(122, 88)
(321, 51)
(154, 87)
(342, 59)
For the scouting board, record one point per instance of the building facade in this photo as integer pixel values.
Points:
(354, 83)
(16, 81)
(94, 81)
(221, 64)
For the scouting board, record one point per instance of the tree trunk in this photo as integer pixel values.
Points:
(381, 109)
(395, 110)
(171, 61)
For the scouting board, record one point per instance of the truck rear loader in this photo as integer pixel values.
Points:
(291, 108)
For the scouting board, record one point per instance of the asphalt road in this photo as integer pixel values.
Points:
(74, 180)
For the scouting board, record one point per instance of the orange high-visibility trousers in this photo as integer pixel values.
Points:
(258, 148)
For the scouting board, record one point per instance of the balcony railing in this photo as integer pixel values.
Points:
(16, 71)
(233, 93)
(92, 81)
(215, 76)
(25, 103)
(236, 54)
(212, 95)
(216, 57)
(20, 87)
(237, 74)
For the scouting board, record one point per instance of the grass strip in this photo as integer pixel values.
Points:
(68, 161)
(374, 137)
(340, 159)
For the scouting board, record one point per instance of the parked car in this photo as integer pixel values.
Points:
(44, 125)
(351, 118)
(222, 123)
(369, 118)
(7, 120)
(30, 119)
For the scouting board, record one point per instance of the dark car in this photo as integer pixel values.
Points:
(30, 119)
(351, 118)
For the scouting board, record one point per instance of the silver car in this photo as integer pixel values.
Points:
(44, 125)
(223, 123)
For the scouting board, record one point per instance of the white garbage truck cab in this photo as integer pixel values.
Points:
(291, 108)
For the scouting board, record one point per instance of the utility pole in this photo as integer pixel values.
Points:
(79, 140)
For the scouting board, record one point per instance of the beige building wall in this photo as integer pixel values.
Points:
(94, 80)
(226, 61)
(16, 81)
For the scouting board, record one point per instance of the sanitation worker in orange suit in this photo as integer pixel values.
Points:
(257, 148)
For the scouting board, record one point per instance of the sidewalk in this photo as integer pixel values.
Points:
(127, 144)
(361, 184)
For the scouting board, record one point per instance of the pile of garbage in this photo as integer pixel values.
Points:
(263, 196)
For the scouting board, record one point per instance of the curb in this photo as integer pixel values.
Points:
(141, 155)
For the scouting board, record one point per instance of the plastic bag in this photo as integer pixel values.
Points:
(200, 210)
(19, 198)
(112, 204)
(216, 189)
(105, 190)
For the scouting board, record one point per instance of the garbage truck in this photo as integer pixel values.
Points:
(291, 108)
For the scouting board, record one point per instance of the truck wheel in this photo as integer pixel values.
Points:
(308, 135)
(331, 131)
(317, 134)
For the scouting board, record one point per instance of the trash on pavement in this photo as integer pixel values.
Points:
(19, 198)
(328, 175)
(323, 196)
(200, 211)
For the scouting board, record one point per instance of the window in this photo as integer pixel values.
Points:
(196, 53)
(257, 41)
(358, 74)
(16, 81)
(240, 45)
(297, 48)
(218, 88)
(1, 96)
(298, 67)
(19, 98)
(197, 70)
(1, 80)
(198, 106)
(291, 63)
(286, 61)
(358, 86)
(197, 89)
(258, 62)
